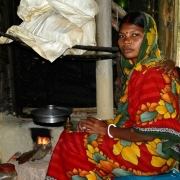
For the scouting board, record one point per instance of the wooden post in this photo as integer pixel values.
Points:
(178, 34)
(104, 74)
(167, 28)
(176, 30)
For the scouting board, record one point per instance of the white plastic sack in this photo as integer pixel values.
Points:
(53, 32)
(28, 9)
(77, 11)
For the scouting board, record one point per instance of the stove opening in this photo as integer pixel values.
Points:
(41, 136)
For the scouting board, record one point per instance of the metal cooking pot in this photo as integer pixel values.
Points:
(51, 114)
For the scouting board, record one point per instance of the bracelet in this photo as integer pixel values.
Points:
(108, 128)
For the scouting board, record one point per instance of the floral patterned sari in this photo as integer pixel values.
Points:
(149, 104)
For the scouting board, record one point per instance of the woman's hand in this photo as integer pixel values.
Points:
(80, 128)
(92, 125)
(168, 65)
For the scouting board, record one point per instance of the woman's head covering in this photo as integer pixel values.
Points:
(149, 51)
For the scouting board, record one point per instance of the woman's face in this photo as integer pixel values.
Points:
(130, 39)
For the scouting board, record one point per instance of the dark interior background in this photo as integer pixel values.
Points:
(27, 80)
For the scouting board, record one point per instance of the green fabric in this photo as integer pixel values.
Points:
(149, 23)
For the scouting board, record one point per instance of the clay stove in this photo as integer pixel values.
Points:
(16, 135)
(42, 146)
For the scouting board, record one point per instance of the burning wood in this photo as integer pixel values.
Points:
(43, 140)
(41, 149)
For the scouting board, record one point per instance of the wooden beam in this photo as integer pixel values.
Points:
(89, 48)
(93, 57)
(119, 11)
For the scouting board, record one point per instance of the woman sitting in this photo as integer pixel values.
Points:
(144, 137)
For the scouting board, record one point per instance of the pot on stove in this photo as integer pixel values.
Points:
(51, 114)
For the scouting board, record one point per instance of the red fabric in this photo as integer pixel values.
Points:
(68, 153)
(69, 159)
(90, 157)
(148, 88)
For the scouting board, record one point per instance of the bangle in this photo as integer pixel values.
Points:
(108, 128)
